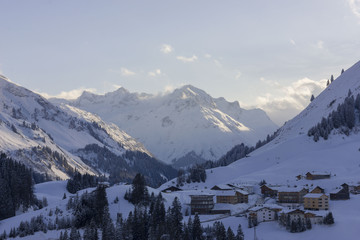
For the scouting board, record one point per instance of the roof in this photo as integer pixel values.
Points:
(272, 207)
(289, 189)
(223, 186)
(228, 193)
(318, 173)
(314, 195)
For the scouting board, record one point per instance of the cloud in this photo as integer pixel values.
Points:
(187, 59)
(320, 44)
(207, 55)
(355, 7)
(126, 72)
(166, 48)
(156, 72)
(238, 75)
(290, 100)
(292, 42)
(72, 94)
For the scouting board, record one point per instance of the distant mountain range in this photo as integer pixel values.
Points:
(184, 127)
(59, 139)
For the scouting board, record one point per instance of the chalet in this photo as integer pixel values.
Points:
(268, 191)
(232, 197)
(245, 187)
(171, 189)
(222, 187)
(293, 215)
(317, 175)
(291, 195)
(314, 218)
(342, 194)
(316, 201)
(264, 214)
(202, 204)
(317, 189)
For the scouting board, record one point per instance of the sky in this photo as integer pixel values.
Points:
(267, 54)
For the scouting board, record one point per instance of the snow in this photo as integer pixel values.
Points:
(176, 124)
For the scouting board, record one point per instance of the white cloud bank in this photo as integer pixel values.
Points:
(355, 7)
(187, 59)
(290, 100)
(72, 94)
(156, 72)
(126, 72)
(166, 48)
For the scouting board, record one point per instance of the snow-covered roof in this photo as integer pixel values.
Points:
(223, 186)
(318, 173)
(268, 206)
(288, 189)
(314, 195)
(228, 193)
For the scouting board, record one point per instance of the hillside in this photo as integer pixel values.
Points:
(57, 140)
(182, 127)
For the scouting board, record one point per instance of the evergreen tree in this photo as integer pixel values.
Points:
(332, 78)
(327, 83)
(329, 219)
(197, 230)
(312, 98)
(240, 234)
(308, 224)
(108, 230)
(342, 71)
(176, 219)
(74, 234)
(230, 234)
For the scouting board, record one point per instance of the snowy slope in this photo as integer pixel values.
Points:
(187, 121)
(53, 139)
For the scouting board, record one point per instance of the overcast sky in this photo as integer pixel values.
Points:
(267, 54)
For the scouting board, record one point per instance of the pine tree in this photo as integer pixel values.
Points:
(329, 219)
(196, 230)
(332, 78)
(108, 230)
(312, 98)
(74, 234)
(342, 71)
(176, 219)
(230, 234)
(240, 234)
(308, 224)
(327, 83)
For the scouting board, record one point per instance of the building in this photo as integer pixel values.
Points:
(222, 187)
(249, 188)
(232, 197)
(268, 191)
(342, 194)
(317, 175)
(291, 195)
(202, 204)
(264, 214)
(317, 189)
(316, 201)
(314, 218)
(171, 189)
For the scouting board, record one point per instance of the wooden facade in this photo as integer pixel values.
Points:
(268, 191)
(316, 201)
(317, 189)
(202, 204)
(171, 189)
(232, 197)
(292, 195)
(342, 194)
(316, 176)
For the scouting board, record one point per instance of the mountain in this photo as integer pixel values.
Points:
(293, 152)
(182, 127)
(57, 140)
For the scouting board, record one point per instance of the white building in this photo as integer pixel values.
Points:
(264, 214)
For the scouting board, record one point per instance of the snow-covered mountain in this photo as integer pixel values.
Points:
(58, 140)
(293, 152)
(182, 127)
